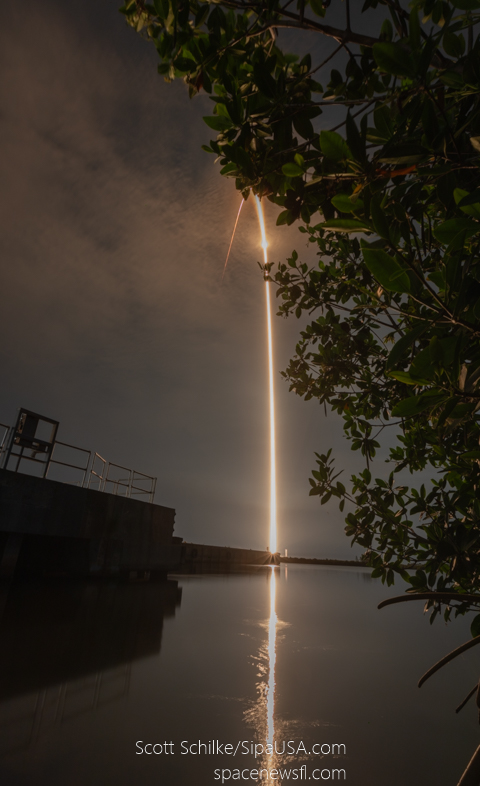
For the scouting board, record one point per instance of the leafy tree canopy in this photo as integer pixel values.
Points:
(388, 191)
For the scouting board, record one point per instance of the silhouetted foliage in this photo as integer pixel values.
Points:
(390, 197)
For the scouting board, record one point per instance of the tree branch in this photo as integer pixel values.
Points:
(301, 23)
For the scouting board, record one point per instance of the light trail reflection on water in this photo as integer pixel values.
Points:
(87, 670)
(262, 716)
(272, 656)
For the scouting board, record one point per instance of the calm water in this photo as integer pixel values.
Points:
(87, 671)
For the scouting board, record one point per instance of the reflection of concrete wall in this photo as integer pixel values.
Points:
(67, 650)
(59, 633)
(121, 533)
(24, 720)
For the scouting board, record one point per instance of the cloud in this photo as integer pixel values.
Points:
(114, 233)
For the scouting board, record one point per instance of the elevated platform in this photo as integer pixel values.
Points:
(51, 527)
(87, 522)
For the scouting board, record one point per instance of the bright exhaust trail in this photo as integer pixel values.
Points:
(273, 474)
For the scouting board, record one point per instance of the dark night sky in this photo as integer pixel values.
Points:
(115, 227)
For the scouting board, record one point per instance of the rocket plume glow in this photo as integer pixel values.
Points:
(273, 480)
(273, 474)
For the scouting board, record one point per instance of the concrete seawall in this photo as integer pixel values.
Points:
(210, 559)
(55, 529)
(58, 528)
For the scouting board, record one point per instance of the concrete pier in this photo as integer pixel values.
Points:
(55, 528)
(49, 528)
(212, 559)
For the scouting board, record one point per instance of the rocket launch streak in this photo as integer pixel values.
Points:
(273, 474)
(273, 481)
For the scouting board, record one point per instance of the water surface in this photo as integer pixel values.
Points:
(87, 671)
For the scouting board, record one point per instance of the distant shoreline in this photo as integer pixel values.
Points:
(317, 561)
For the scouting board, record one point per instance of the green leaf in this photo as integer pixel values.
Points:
(394, 59)
(162, 8)
(201, 14)
(218, 122)
(438, 278)
(462, 409)
(404, 376)
(285, 217)
(455, 232)
(450, 405)
(475, 626)
(317, 7)
(228, 168)
(416, 404)
(403, 344)
(184, 64)
(468, 203)
(299, 159)
(345, 225)
(346, 204)
(303, 126)
(467, 199)
(475, 142)
(415, 34)
(264, 81)
(386, 270)
(423, 364)
(128, 9)
(207, 85)
(354, 139)
(454, 45)
(292, 170)
(334, 146)
(379, 219)
(386, 31)
(376, 137)
(429, 121)
(404, 154)
(407, 159)
(383, 122)
(315, 87)
(466, 5)
(453, 79)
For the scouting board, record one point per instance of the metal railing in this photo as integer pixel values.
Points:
(102, 477)
(97, 472)
(97, 477)
(82, 468)
(129, 486)
(4, 440)
(20, 455)
(47, 461)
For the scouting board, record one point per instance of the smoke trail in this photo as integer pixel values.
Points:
(233, 235)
